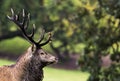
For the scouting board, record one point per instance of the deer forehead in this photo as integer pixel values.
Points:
(41, 50)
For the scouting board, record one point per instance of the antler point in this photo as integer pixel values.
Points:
(8, 17)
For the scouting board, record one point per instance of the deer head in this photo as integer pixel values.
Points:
(22, 21)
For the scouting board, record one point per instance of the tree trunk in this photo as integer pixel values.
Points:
(10, 35)
(41, 2)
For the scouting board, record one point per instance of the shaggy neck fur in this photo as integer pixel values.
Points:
(28, 68)
(33, 72)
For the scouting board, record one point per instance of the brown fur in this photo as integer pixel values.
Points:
(29, 67)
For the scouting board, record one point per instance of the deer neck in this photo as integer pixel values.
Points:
(27, 69)
(34, 71)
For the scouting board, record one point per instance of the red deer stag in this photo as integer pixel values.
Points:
(29, 66)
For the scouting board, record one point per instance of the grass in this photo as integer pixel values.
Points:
(5, 62)
(52, 74)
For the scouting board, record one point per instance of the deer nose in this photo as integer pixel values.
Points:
(56, 59)
(53, 58)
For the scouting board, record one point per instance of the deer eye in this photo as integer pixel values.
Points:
(42, 53)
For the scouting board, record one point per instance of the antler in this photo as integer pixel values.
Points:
(23, 25)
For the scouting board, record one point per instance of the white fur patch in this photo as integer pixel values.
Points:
(29, 54)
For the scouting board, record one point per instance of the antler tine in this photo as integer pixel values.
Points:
(41, 36)
(12, 11)
(23, 13)
(24, 18)
(27, 21)
(33, 31)
(16, 17)
(48, 40)
(13, 15)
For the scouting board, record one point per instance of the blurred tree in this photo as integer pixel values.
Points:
(101, 35)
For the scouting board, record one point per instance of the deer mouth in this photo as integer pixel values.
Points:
(54, 62)
(51, 62)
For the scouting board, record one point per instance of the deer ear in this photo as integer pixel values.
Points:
(33, 48)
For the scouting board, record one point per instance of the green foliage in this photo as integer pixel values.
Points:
(15, 46)
(101, 33)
